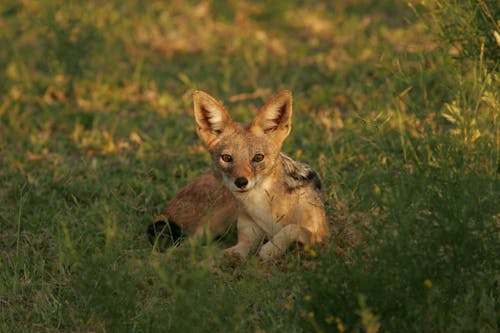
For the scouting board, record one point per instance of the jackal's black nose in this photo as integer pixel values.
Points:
(241, 182)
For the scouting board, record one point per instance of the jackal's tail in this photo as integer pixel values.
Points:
(163, 233)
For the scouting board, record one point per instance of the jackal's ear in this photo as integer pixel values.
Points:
(211, 117)
(275, 117)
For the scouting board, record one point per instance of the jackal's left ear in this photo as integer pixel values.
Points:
(211, 117)
(275, 117)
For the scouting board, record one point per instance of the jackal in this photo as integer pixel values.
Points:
(271, 196)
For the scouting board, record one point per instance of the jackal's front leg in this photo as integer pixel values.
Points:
(281, 240)
(249, 235)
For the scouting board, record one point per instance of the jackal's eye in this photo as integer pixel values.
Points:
(258, 158)
(226, 158)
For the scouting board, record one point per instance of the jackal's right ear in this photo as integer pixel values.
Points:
(275, 117)
(211, 117)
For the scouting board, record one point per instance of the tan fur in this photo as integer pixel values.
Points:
(203, 207)
(278, 198)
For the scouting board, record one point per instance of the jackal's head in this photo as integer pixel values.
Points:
(243, 155)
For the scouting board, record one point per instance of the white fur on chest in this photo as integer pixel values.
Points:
(258, 204)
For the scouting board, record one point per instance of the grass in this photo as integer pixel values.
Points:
(398, 115)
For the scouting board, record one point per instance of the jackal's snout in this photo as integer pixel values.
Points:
(241, 182)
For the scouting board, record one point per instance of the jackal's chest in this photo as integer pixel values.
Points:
(265, 211)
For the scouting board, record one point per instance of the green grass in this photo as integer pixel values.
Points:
(396, 107)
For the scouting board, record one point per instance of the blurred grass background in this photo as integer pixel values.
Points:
(395, 104)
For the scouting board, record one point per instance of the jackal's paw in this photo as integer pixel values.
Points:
(236, 252)
(269, 251)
